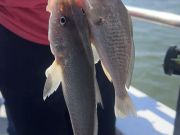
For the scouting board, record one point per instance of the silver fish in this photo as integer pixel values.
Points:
(111, 33)
(73, 66)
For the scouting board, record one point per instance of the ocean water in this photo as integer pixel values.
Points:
(151, 43)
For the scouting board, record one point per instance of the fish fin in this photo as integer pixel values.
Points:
(98, 94)
(96, 123)
(50, 5)
(54, 77)
(131, 66)
(124, 106)
(106, 72)
(95, 54)
(132, 55)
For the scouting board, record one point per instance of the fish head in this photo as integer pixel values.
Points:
(67, 25)
(95, 8)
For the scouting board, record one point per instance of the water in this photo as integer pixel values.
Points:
(152, 42)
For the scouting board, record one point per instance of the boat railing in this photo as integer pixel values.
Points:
(163, 18)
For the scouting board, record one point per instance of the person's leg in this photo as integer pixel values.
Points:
(11, 128)
(106, 116)
(22, 78)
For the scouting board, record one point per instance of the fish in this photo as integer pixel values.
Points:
(112, 35)
(73, 66)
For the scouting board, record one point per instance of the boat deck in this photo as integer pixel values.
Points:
(153, 118)
(3, 120)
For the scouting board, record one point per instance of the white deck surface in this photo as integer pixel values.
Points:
(154, 118)
(3, 120)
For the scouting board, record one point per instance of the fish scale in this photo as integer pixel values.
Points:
(73, 66)
(115, 41)
(72, 101)
(111, 34)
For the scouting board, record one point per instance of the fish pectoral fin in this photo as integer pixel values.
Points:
(54, 77)
(95, 54)
(106, 72)
(98, 94)
(124, 106)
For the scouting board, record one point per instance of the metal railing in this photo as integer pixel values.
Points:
(159, 17)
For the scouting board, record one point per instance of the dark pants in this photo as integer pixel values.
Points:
(22, 77)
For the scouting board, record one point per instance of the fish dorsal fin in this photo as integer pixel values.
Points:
(106, 72)
(95, 54)
(54, 77)
(50, 5)
(132, 55)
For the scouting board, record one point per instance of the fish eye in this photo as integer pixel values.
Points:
(62, 20)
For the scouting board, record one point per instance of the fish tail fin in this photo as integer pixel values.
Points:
(124, 106)
(54, 77)
(50, 5)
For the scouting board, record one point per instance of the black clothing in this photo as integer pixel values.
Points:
(22, 77)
